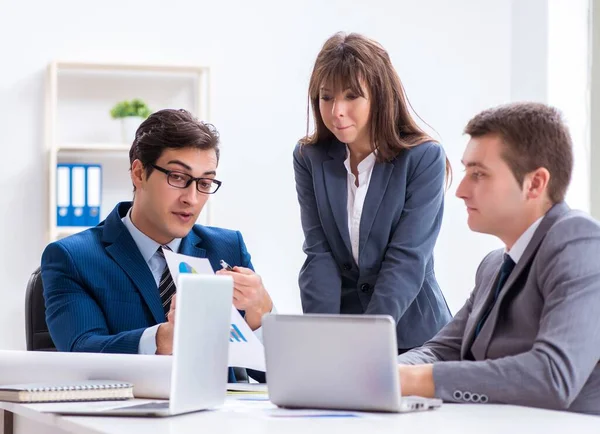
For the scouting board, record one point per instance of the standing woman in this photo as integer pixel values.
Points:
(370, 185)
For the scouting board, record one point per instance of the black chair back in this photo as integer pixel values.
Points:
(36, 330)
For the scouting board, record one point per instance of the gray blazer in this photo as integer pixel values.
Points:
(540, 345)
(400, 223)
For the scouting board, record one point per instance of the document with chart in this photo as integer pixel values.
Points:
(245, 350)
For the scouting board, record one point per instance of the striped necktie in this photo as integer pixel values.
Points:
(166, 287)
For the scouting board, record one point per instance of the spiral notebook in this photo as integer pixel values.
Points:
(93, 390)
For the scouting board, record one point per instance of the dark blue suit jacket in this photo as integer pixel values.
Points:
(100, 294)
(401, 219)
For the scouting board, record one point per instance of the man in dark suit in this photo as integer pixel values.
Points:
(529, 334)
(107, 289)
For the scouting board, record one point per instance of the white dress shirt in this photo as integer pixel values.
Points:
(521, 244)
(357, 195)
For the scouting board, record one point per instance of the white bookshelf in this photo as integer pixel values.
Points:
(78, 127)
(94, 147)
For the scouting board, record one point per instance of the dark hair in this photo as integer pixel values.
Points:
(344, 61)
(170, 129)
(534, 136)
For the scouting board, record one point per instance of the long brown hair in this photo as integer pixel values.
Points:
(345, 61)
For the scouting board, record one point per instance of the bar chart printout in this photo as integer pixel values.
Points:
(236, 335)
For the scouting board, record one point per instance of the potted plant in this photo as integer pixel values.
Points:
(131, 113)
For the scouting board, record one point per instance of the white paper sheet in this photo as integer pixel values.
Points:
(179, 263)
(257, 388)
(149, 374)
(245, 350)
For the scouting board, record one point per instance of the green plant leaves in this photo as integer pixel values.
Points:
(135, 107)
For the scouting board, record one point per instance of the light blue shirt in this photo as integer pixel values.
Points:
(157, 264)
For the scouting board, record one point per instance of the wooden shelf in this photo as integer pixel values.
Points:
(112, 67)
(94, 147)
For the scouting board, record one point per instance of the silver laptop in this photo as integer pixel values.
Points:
(344, 362)
(200, 352)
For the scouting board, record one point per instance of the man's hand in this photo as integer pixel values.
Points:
(171, 314)
(164, 334)
(249, 294)
(417, 380)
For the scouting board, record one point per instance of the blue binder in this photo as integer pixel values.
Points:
(93, 194)
(78, 190)
(63, 195)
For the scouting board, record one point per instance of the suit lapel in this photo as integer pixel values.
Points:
(480, 345)
(336, 185)
(190, 245)
(121, 247)
(377, 187)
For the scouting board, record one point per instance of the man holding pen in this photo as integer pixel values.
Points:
(108, 289)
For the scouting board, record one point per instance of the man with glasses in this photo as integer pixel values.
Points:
(108, 289)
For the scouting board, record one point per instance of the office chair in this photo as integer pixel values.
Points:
(36, 331)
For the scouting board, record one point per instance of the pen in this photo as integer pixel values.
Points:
(225, 265)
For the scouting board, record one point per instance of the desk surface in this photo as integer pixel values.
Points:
(249, 417)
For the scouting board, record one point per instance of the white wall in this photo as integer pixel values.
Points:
(569, 86)
(455, 59)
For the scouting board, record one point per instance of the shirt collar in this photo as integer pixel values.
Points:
(145, 244)
(521, 244)
(367, 164)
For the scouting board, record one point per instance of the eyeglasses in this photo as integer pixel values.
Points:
(183, 180)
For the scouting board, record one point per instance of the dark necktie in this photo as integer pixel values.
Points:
(505, 270)
(166, 287)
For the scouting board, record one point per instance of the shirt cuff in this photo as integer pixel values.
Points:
(258, 331)
(147, 343)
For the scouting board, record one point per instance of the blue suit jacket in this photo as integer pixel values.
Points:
(100, 294)
(401, 219)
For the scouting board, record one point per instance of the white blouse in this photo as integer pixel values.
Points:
(357, 195)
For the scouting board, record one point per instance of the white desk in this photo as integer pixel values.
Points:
(245, 417)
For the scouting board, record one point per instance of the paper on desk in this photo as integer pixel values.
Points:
(245, 350)
(247, 387)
